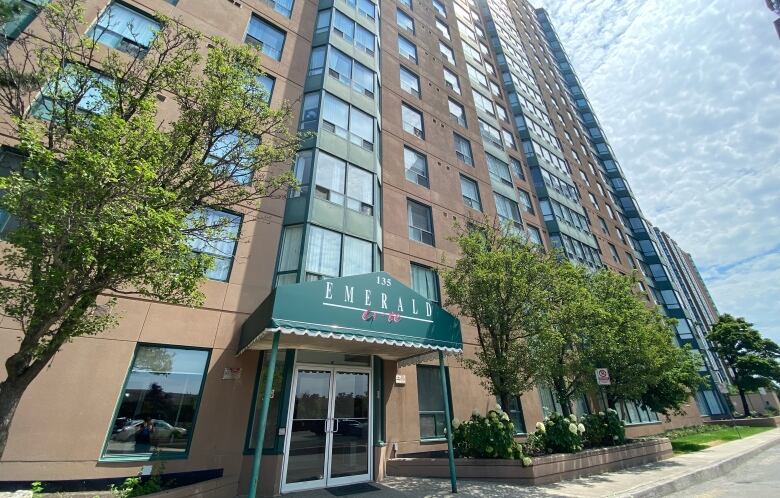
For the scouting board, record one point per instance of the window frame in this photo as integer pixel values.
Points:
(471, 201)
(155, 455)
(232, 257)
(256, 42)
(429, 210)
(448, 400)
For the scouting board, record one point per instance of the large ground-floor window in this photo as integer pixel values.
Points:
(431, 402)
(159, 403)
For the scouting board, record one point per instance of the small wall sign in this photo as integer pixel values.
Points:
(231, 373)
(400, 380)
(602, 377)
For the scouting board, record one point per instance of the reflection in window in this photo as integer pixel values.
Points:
(273, 408)
(158, 406)
(125, 29)
(269, 39)
(216, 235)
(425, 282)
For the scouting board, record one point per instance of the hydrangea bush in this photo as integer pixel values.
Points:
(489, 436)
(557, 434)
(604, 429)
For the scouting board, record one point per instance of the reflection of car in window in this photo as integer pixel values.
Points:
(163, 431)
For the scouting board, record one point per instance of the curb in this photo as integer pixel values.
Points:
(715, 470)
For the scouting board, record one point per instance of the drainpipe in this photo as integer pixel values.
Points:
(448, 424)
(269, 379)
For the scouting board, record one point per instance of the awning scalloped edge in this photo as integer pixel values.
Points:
(350, 337)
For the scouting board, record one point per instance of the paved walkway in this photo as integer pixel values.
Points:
(656, 479)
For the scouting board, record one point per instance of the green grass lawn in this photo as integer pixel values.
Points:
(685, 442)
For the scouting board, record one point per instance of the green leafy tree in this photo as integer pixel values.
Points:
(501, 284)
(111, 193)
(562, 349)
(635, 342)
(752, 358)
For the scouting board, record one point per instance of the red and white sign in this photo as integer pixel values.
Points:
(602, 377)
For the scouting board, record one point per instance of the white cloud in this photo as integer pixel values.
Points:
(689, 96)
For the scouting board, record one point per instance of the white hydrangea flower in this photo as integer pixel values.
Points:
(573, 417)
(573, 428)
(475, 412)
(527, 462)
(540, 427)
(498, 408)
(581, 428)
(504, 417)
(455, 423)
(601, 414)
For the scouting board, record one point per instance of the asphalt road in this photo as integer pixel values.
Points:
(757, 478)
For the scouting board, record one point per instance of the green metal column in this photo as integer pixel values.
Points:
(448, 425)
(269, 381)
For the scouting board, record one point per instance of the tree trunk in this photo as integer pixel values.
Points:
(11, 391)
(563, 399)
(745, 407)
(504, 400)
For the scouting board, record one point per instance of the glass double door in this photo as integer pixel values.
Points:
(328, 429)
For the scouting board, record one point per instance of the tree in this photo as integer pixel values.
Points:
(635, 343)
(501, 285)
(562, 349)
(752, 358)
(110, 195)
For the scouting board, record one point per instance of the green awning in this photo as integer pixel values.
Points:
(373, 313)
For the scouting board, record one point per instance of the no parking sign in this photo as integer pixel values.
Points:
(602, 377)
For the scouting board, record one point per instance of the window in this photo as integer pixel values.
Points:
(517, 168)
(404, 20)
(310, 111)
(593, 200)
(495, 90)
(603, 225)
(407, 3)
(358, 257)
(499, 170)
(534, 235)
(471, 52)
(516, 415)
(19, 20)
(509, 139)
(614, 253)
(416, 166)
(351, 73)
(317, 61)
(470, 191)
(431, 402)
(324, 252)
(476, 75)
(452, 81)
(463, 149)
(457, 112)
(77, 80)
(412, 121)
(124, 29)
(367, 8)
(610, 212)
(407, 49)
(229, 155)
(342, 183)
(348, 122)
(447, 53)
(443, 29)
(354, 33)
(525, 200)
(269, 39)
(289, 254)
(502, 113)
(410, 82)
(420, 223)
(508, 213)
(9, 161)
(266, 85)
(490, 133)
(425, 282)
(483, 103)
(215, 234)
(159, 404)
(440, 8)
(277, 386)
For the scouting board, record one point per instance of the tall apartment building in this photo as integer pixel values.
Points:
(424, 113)
(697, 299)
(774, 6)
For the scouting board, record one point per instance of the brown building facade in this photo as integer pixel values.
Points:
(426, 113)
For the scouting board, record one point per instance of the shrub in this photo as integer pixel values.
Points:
(604, 429)
(489, 436)
(557, 434)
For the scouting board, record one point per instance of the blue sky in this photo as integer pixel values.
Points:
(688, 92)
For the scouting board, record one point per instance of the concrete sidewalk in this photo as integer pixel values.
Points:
(656, 479)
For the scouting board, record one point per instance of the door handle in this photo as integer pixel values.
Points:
(337, 425)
